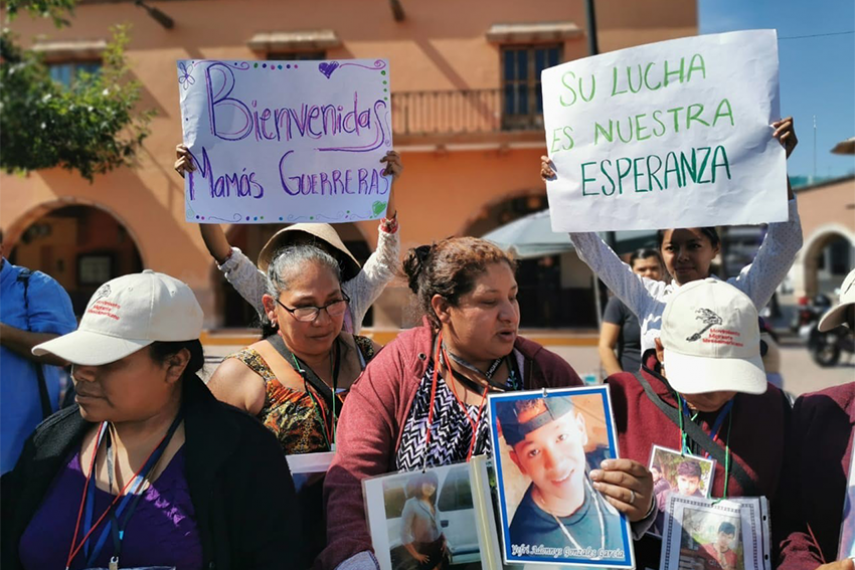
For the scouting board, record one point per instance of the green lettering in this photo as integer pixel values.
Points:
(606, 174)
(703, 165)
(636, 175)
(646, 82)
(569, 138)
(570, 88)
(598, 128)
(674, 112)
(615, 82)
(700, 67)
(661, 124)
(555, 139)
(651, 173)
(695, 115)
(624, 174)
(692, 168)
(671, 158)
(639, 128)
(724, 162)
(585, 179)
(620, 135)
(629, 79)
(593, 90)
(718, 113)
(678, 73)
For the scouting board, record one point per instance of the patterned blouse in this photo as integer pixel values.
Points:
(451, 433)
(291, 414)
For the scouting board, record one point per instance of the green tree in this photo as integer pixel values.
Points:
(91, 126)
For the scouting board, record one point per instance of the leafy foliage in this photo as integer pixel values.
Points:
(90, 127)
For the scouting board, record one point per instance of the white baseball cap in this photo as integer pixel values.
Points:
(836, 316)
(711, 336)
(127, 314)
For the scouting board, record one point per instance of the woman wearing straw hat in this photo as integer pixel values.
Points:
(149, 470)
(362, 285)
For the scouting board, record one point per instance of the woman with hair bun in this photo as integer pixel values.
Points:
(420, 402)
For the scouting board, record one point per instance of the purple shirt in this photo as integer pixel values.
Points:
(162, 531)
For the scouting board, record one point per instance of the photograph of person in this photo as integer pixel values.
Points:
(423, 520)
(710, 541)
(719, 553)
(541, 448)
(674, 473)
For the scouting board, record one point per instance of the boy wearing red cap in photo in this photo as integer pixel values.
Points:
(818, 467)
(703, 391)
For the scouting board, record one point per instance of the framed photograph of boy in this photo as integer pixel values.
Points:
(544, 446)
(422, 520)
(675, 473)
(704, 534)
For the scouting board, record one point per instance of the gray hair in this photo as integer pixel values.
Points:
(288, 262)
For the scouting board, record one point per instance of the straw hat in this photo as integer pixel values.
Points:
(323, 232)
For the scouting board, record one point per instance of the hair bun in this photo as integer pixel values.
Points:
(414, 264)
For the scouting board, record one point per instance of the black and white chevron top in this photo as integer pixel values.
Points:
(451, 433)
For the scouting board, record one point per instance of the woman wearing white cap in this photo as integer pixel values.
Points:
(149, 469)
(362, 285)
(688, 253)
(703, 391)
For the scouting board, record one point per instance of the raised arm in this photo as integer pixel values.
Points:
(383, 264)
(635, 291)
(783, 239)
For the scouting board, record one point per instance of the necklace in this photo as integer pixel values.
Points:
(566, 532)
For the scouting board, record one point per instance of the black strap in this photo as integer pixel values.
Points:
(44, 395)
(702, 438)
(306, 372)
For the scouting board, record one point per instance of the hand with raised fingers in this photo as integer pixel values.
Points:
(393, 164)
(785, 132)
(627, 485)
(184, 162)
(547, 169)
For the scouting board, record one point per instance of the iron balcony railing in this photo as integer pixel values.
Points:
(475, 111)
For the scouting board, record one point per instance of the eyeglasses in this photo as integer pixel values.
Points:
(310, 313)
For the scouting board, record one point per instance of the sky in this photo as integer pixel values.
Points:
(817, 74)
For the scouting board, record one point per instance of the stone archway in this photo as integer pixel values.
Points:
(79, 244)
(827, 257)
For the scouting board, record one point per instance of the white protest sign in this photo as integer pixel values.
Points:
(286, 141)
(671, 134)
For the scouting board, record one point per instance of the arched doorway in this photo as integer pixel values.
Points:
(237, 313)
(81, 246)
(555, 291)
(828, 258)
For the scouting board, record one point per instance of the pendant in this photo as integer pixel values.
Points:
(114, 563)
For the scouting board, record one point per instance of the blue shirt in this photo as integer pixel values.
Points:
(49, 312)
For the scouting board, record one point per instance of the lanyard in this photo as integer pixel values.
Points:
(129, 493)
(714, 433)
(438, 362)
(328, 426)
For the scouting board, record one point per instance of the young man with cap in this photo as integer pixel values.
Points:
(561, 508)
(703, 391)
(819, 467)
(146, 427)
(718, 555)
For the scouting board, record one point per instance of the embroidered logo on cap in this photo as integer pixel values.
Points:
(103, 291)
(709, 318)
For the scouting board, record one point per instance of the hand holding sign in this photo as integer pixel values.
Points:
(672, 134)
(285, 142)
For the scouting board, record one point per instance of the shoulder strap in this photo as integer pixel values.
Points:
(44, 395)
(700, 437)
(307, 373)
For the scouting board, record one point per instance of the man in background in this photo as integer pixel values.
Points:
(34, 308)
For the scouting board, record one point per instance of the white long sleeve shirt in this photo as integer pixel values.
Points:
(363, 290)
(647, 298)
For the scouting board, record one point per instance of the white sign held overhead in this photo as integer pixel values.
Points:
(286, 141)
(671, 134)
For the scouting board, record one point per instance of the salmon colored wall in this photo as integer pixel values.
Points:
(441, 45)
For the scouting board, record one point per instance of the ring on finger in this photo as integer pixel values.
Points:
(631, 497)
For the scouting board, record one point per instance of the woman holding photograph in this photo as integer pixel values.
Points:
(420, 403)
(362, 286)
(688, 253)
(420, 533)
